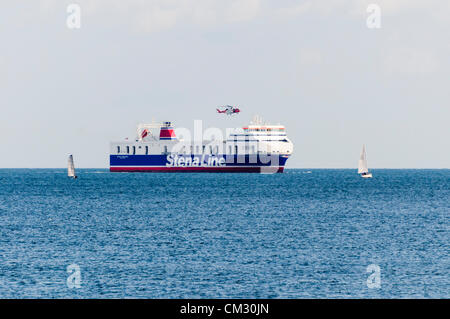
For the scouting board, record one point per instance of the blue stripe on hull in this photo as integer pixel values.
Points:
(173, 160)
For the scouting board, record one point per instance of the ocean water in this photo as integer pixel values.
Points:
(300, 234)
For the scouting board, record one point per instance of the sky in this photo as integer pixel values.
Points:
(314, 66)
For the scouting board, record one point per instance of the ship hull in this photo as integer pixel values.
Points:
(198, 163)
(150, 169)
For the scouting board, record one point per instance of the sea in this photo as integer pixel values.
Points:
(306, 233)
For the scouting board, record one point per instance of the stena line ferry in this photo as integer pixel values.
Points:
(256, 148)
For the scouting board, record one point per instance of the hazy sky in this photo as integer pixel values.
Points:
(313, 66)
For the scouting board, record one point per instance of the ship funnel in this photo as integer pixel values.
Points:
(167, 132)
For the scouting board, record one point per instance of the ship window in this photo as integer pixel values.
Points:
(118, 149)
(216, 149)
(210, 149)
(203, 148)
(165, 149)
(146, 150)
(192, 149)
(128, 150)
(134, 150)
(236, 149)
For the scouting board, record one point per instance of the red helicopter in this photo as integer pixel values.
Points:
(229, 110)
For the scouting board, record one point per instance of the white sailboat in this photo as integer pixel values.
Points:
(71, 168)
(362, 164)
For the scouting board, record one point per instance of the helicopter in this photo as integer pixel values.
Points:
(229, 110)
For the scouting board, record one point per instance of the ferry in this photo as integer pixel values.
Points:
(256, 148)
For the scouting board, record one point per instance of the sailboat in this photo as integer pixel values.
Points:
(71, 168)
(362, 164)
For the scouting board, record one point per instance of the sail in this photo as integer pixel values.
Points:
(362, 164)
(71, 167)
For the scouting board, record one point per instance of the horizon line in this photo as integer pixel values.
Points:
(286, 168)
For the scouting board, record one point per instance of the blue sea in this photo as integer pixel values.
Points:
(300, 234)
